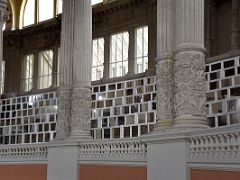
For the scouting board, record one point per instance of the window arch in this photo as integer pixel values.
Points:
(35, 11)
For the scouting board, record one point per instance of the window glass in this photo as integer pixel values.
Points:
(59, 6)
(98, 59)
(29, 13)
(45, 69)
(46, 8)
(119, 54)
(27, 73)
(96, 2)
(141, 53)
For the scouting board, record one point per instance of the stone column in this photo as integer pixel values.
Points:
(81, 66)
(235, 24)
(65, 68)
(3, 17)
(74, 95)
(189, 68)
(165, 64)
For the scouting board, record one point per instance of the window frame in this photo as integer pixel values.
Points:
(37, 11)
(142, 58)
(25, 81)
(111, 63)
(40, 77)
(35, 77)
(101, 66)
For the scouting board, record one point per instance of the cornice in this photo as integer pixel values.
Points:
(116, 6)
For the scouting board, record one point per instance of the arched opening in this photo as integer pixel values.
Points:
(29, 13)
(96, 2)
(36, 11)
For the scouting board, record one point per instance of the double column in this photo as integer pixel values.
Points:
(74, 94)
(3, 17)
(181, 65)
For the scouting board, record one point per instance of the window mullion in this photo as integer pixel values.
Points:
(36, 11)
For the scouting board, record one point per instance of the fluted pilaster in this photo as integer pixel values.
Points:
(189, 68)
(165, 64)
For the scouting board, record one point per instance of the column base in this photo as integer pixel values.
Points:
(80, 135)
(61, 136)
(162, 125)
(190, 122)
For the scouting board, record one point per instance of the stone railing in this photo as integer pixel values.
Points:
(130, 150)
(15, 153)
(216, 145)
(118, 150)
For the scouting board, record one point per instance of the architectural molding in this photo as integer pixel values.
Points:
(218, 145)
(20, 153)
(123, 150)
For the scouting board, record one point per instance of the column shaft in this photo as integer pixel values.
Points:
(82, 62)
(65, 67)
(165, 64)
(190, 95)
(75, 70)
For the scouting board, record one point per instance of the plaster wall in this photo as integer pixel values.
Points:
(104, 172)
(23, 172)
(200, 174)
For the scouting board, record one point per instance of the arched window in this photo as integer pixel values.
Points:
(35, 11)
(45, 9)
(96, 2)
(29, 13)
(59, 6)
